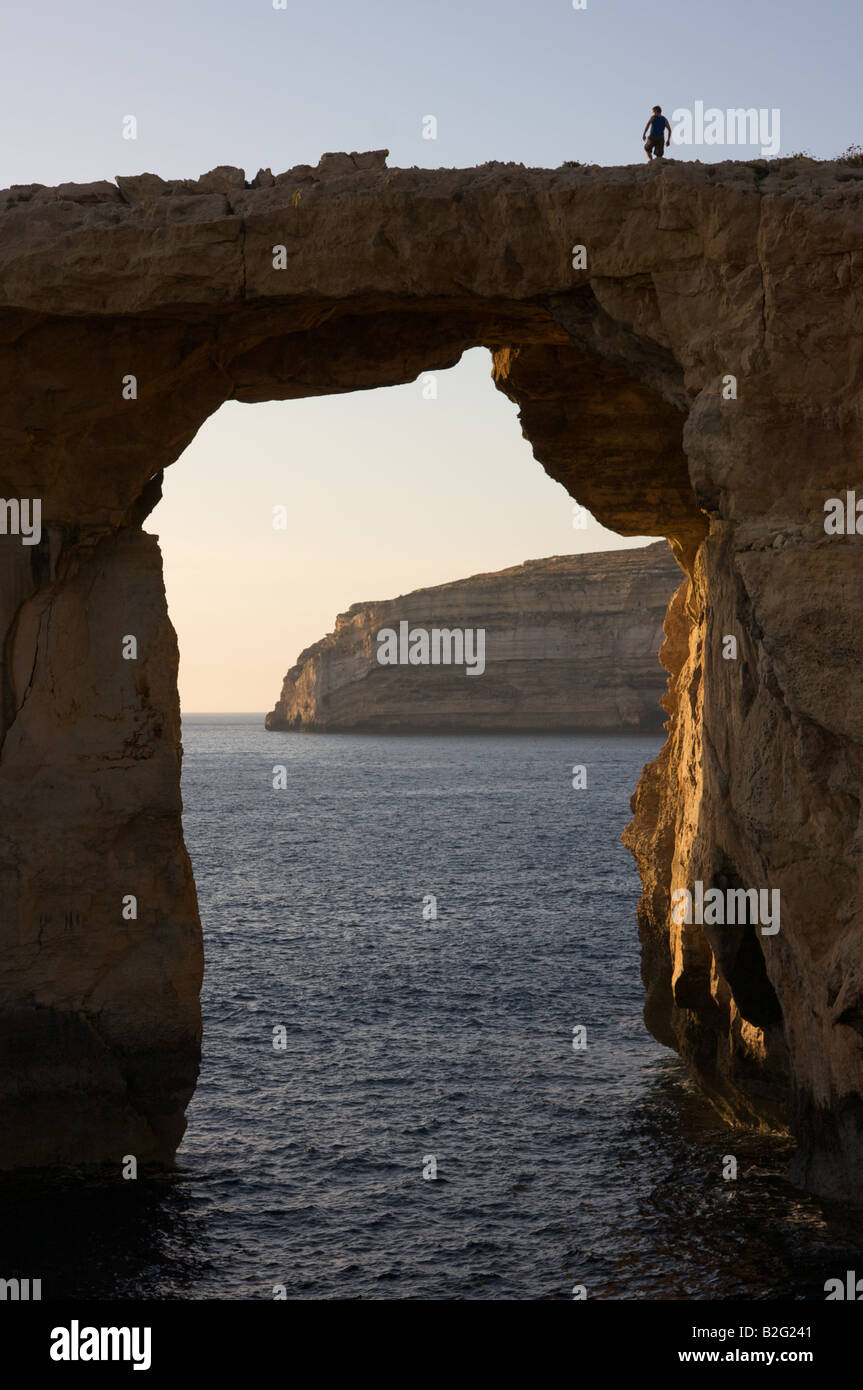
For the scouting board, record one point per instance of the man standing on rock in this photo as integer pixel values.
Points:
(657, 125)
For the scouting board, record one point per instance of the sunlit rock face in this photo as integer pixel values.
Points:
(683, 345)
(565, 643)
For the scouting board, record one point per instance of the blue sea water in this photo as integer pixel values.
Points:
(410, 1039)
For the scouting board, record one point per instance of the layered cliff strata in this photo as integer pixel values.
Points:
(683, 343)
(567, 643)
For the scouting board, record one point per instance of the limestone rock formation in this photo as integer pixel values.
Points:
(569, 643)
(694, 372)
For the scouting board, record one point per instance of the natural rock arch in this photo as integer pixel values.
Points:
(694, 274)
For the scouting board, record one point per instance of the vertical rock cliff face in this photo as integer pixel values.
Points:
(699, 379)
(568, 643)
(100, 1026)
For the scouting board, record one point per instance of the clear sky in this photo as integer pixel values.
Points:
(385, 491)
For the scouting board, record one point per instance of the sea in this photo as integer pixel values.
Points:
(425, 1072)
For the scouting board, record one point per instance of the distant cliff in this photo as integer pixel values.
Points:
(569, 642)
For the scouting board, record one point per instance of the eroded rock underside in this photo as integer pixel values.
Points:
(693, 273)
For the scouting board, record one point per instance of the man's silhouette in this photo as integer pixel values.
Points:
(657, 125)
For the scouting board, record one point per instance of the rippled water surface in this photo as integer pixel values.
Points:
(409, 1039)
